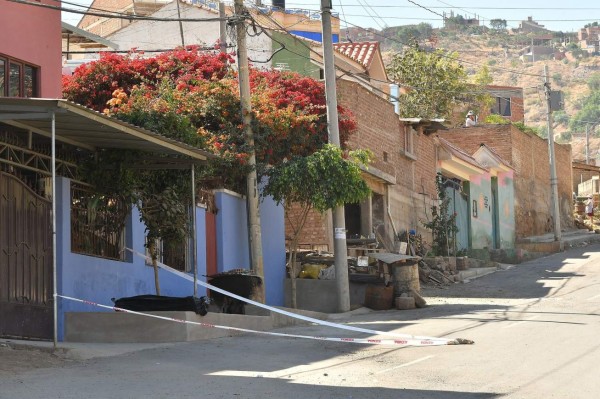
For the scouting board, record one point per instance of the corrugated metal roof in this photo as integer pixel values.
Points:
(85, 128)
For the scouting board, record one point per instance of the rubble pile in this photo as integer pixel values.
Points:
(442, 271)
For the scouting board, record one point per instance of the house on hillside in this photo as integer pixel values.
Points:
(507, 101)
(91, 256)
(589, 39)
(530, 26)
(527, 155)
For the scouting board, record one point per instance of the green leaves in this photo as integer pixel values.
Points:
(435, 81)
(442, 223)
(324, 180)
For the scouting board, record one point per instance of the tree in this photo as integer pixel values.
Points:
(482, 98)
(590, 112)
(435, 82)
(498, 24)
(326, 179)
(442, 223)
(194, 97)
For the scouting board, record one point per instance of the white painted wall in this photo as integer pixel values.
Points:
(159, 35)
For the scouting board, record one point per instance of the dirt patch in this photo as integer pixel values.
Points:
(14, 360)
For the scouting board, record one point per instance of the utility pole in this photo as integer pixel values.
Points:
(256, 254)
(180, 24)
(553, 179)
(222, 28)
(587, 144)
(339, 224)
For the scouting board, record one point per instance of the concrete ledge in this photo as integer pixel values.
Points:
(119, 327)
(544, 247)
(466, 275)
(280, 320)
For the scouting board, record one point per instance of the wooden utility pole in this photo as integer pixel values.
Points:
(339, 224)
(553, 178)
(256, 254)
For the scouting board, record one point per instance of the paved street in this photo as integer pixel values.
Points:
(536, 328)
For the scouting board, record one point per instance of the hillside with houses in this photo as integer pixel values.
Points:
(513, 57)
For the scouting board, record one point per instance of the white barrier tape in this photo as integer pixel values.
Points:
(442, 341)
(401, 342)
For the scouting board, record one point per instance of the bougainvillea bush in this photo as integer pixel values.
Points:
(193, 96)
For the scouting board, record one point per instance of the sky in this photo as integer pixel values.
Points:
(554, 14)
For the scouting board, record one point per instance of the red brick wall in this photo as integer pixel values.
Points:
(379, 128)
(528, 155)
(380, 131)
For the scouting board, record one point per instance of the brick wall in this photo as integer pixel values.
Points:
(528, 155)
(379, 128)
(104, 26)
(380, 131)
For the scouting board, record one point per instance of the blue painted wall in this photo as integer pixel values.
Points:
(316, 36)
(506, 209)
(98, 280)
(481, 211)
(232, 232)
(273, 244)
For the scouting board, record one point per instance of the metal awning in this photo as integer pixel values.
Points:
(75, 35)
(87, 129)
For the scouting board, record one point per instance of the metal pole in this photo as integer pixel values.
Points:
(54, 271)
(587, 144)
(180, 24)
(194, 234)
(339, 224)
(222, 28)
(553, 178)
(256, 254)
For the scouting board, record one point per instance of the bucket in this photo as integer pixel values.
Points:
(406, 278)
(379, 297)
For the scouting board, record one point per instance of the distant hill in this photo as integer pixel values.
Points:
(501, 53)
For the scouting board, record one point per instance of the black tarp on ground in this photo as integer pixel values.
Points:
(155, 303)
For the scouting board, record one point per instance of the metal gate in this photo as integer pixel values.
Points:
(25, 261)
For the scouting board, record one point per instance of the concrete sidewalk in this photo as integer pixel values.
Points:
(569, 239)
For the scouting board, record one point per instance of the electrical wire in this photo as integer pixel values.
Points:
(115, 16)
(446, 56)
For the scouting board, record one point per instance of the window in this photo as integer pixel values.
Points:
(14, 80)
(2, 76)
(501, 106)
(18, 79)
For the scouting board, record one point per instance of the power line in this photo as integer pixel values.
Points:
(425, 8)
(446, 56)
(374, 88)
(463, 7)
(115, 16)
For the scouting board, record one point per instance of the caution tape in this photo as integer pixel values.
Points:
(370, 341)
(402, 337)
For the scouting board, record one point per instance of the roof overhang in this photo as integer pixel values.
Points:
(453, 162)
(87, 129)
(76, 35)
(428, 125)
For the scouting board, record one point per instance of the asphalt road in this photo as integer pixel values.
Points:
(536, 329)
